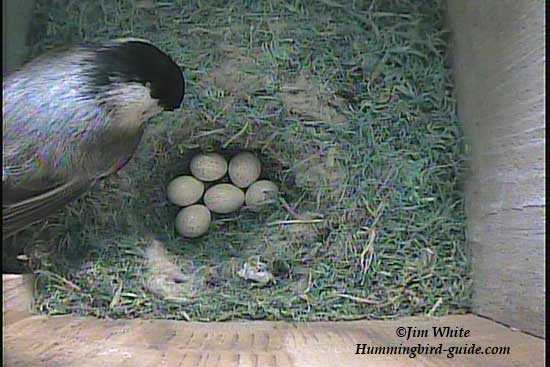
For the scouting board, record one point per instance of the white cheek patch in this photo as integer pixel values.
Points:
(132, 104)
(131, 39)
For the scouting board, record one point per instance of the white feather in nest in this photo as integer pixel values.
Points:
(164, 277)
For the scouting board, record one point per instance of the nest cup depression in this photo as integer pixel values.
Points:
(244, 169)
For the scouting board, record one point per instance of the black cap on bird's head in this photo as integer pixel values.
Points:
(138, 61)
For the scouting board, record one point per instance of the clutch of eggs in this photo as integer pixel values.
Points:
(244, 170)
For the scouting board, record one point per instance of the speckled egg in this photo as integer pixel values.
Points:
(224, 198)
(244, 169)
(184, 190)
(260, 194)
(193, 221)
(208, 166)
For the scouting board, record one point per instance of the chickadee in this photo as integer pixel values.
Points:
(75, 116)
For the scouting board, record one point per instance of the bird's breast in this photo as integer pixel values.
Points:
(110, 151)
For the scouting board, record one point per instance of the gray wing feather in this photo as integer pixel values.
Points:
(24, 213)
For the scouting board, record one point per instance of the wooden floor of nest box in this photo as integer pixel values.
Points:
(35, 340)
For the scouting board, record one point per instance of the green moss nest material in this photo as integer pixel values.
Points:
(349, 105)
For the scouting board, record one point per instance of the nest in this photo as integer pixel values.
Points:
(352, 113)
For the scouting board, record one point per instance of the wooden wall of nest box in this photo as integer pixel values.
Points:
(498, 61)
